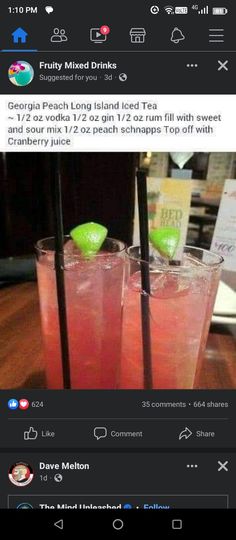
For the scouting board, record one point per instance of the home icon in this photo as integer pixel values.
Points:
(19, 36)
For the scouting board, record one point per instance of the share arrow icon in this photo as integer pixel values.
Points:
(185, 434)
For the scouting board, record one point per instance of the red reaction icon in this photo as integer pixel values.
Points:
(24, 404)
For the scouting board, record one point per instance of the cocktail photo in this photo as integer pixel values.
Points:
(118, 271)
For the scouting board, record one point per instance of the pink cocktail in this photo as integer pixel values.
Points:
(94, 289)
(180, 309)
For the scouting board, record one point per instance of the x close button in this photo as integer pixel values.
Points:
(223, 65)
(223, 466)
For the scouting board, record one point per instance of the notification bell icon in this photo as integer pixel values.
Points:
(177, 35)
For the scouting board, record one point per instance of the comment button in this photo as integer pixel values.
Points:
(100, 433)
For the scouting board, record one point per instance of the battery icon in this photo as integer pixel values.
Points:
(179, 10)
(219, 11)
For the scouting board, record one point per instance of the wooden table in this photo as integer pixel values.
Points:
(21, 356)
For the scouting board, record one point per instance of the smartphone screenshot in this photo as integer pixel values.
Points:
(117, 267)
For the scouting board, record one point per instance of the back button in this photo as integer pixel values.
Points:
(59, 524)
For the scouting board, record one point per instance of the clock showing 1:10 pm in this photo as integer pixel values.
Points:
(20, 10)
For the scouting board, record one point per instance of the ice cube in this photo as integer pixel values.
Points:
(170, 285)
(71, 248)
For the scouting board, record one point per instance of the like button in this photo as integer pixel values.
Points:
(31, 434)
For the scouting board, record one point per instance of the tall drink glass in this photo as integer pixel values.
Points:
(94, 290)
(180, 309)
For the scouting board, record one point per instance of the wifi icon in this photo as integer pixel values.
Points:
(169, 10)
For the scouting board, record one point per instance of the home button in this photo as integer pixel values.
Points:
(118, 524)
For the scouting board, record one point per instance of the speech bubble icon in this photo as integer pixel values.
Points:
(100, 433)
(49, 9)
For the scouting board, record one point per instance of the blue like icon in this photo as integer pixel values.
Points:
(13, 404)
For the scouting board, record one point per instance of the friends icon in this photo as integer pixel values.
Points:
(59, 35)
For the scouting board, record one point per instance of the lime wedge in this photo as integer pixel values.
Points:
(89, 237)
(165, 240)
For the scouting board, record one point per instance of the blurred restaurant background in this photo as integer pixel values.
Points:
(207, 173)
(101, 187)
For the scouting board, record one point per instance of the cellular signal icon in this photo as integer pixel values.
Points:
(204, 11)
(169, 10)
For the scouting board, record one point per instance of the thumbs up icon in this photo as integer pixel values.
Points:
(31, 434)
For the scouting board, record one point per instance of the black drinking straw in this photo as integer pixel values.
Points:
(145, 277)
(59, 265)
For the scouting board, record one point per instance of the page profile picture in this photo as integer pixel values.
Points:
(21, 474)
(20, 73)
(24, 506)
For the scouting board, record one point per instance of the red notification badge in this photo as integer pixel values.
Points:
(105, 30)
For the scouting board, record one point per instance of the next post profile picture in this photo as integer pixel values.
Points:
(21, 474)
(20, 73)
